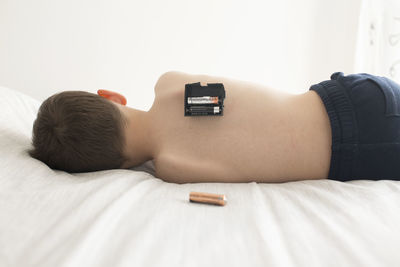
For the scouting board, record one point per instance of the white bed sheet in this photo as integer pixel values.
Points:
(131, 218)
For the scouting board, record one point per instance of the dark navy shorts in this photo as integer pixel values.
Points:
(364, 114)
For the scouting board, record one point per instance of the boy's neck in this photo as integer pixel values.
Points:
(140, 146)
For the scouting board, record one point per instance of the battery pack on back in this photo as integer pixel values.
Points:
(204, 100)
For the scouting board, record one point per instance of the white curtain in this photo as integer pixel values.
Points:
(378, 41)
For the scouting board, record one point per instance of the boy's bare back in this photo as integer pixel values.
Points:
(263, 136)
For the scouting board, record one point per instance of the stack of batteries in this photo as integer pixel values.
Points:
(204, 100)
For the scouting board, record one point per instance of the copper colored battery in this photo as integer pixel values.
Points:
(203, 100)
(208, 198)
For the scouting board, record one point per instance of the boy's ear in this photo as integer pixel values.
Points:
(113, 96)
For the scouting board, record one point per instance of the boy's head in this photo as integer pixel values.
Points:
(77, 131)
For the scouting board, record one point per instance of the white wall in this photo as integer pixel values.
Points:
(48, 46)
(378, 41)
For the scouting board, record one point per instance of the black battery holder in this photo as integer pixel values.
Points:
(204, 100)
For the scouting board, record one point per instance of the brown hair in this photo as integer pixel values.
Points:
(77, 131)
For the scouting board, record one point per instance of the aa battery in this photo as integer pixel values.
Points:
(203, 100)
(207, 109)
(207, 198)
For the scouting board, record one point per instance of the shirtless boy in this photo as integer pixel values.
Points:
(345, 128)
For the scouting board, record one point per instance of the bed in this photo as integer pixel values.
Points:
(132, 218)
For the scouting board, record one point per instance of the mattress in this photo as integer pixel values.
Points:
(132, 218)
